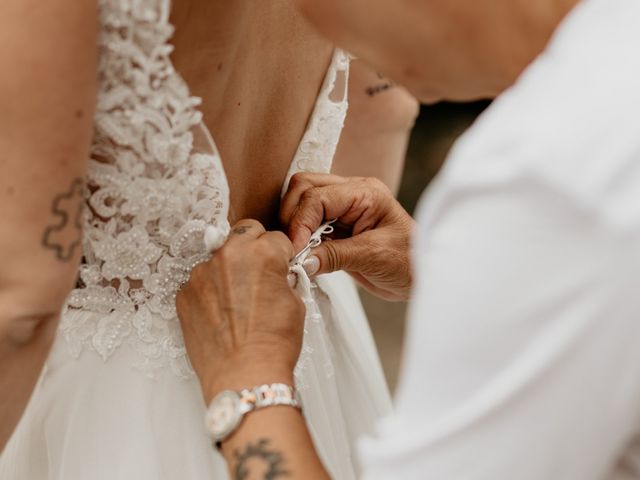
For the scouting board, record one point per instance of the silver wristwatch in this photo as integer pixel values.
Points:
(228, 408)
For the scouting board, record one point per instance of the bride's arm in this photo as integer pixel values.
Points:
(47, 95)
(377, 128)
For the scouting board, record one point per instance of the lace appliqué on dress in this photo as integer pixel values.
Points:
(319, 143)
(155, 183)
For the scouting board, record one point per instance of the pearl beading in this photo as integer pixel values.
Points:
(156, 202)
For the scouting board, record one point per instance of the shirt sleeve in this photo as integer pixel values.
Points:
(523, 348)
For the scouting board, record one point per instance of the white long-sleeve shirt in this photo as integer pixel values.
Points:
(523, 348)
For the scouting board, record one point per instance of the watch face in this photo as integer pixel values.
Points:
(224, 414)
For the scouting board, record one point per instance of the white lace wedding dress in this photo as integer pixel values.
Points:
(118, 399)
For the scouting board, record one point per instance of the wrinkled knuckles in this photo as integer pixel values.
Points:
(269, 254)
(365, 201)
(298, 179)
(310, 196)
(376, 184)
(279, 236)
(250, 224)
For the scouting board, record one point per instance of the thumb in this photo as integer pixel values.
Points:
(306, 219)
(333, 255)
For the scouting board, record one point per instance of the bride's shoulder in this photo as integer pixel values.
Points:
(51, 42)
(46, 41)
(50, 25)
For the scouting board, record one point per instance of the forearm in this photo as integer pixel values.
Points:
(29, 314)
(20, 367)
(40, 263)
(272, 439)
(45, 134)
(273, 443)
(47, 99)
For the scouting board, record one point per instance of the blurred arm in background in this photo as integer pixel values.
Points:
(47, 95)
(377, 129)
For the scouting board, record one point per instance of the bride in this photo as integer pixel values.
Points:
(117, 398)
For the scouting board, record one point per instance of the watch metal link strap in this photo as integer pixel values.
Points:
(228, 408)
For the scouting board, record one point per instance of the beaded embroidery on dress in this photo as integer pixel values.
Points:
(156, 192)
(155, 183)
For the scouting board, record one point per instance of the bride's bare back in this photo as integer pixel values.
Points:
(258, 66)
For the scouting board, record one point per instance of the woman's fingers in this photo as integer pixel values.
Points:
(306, 218)
(238, 299)
(377, 250)
(269, 247)
(300, 183)
(335, 255)
(359, 203)
(279, 245)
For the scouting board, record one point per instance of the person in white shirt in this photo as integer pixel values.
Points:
(523, 348)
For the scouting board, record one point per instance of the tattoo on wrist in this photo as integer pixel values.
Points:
(67, 208)
(258, 459)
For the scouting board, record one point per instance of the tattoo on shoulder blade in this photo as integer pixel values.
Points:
(67, 209)
(258, 461)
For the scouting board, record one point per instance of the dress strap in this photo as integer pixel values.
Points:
(320, 141)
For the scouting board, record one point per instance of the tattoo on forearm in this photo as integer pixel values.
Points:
(67, 209)
(258, 461)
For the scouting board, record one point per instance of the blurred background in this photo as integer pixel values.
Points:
(436, 130)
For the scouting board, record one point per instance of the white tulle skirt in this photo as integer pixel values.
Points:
(95, 420)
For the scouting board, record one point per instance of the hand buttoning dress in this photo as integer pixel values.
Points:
(118, 399)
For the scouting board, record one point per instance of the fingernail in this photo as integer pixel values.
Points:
(292, 278)
(311, 265)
